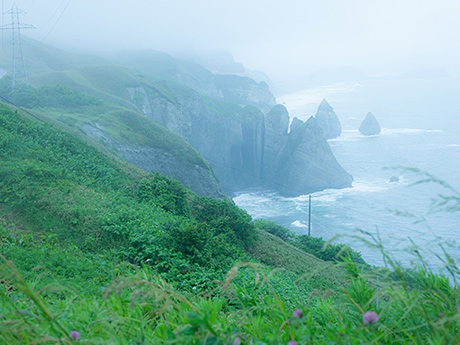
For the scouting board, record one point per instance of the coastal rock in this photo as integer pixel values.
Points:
(179, 119)
(327, 119)
(295, 123)
(307, 164)
(199, 179)
(248, 150)
(394, 179)
(276, 133)
(370, 125)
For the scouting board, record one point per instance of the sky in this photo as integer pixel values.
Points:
(286, 39)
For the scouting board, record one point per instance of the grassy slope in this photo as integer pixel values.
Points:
(64, 186)
(77, 213)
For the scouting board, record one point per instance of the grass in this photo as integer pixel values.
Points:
(93, 245)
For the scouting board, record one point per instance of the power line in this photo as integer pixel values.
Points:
(32, 3)
(59, 18)
(53, 15)
(22, 109)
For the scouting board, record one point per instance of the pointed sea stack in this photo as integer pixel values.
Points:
(306, 164)
(328, 120)
(370, 125)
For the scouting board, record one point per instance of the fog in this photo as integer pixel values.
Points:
(287, 40)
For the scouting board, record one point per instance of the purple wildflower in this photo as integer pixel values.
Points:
(441, 315)
(75, 335)
(236, 341)
(292, 342)
(297, 314)
(370, 317)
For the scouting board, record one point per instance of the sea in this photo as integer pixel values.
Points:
(419, 145)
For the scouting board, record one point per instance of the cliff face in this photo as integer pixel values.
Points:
(276, 134)
(174, 117)
(327, 119)
(198, 177)
(232, 144)
(306, 163)
(247, 149)
(226, 87)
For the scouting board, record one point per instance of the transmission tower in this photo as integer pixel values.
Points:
(18, 69)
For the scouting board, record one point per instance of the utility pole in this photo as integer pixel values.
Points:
(18, 69)
(309, 214)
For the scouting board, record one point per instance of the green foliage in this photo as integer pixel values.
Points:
(313, 245)
(88, 200)
(46, 96)
(274, 229)
(140, 307)
(326, 251)
(124, 257)
(222, 108)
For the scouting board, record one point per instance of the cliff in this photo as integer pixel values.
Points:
(306, 163)
(226, 87)
(148, 115)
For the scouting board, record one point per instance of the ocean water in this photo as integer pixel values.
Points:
(400, 214)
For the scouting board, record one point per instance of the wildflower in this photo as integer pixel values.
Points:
(297, 314)
(370, 317)
(75, 335)
(441, 315)
(236, 340)
(292, 342)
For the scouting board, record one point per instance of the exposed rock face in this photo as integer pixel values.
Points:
(197, 178)
(228, 87)
(215, 116)
(245, 91)
(276, 126)
(370, 125)
(249, 150)
(307, 164)
(327, 119)
(295, 123)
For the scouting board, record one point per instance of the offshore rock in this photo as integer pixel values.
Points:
(370, 125)
(327, 119)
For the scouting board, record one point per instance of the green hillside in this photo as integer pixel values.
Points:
(92, 245)
(72, 110)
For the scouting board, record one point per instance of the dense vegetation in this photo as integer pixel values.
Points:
(45, 96)
(313, 245)
(95, 251)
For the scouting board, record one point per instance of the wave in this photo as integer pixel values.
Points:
(299, 224)
(329, 196)
(355, 135)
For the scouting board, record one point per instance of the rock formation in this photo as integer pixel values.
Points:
(247, 149)
(370, 125)
(175, 117)
(394, 179)
(328, 120)
(307, 164)
(199, 178)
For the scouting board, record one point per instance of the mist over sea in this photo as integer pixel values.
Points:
(420, 120)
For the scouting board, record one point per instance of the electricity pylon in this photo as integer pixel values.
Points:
(18, 68)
